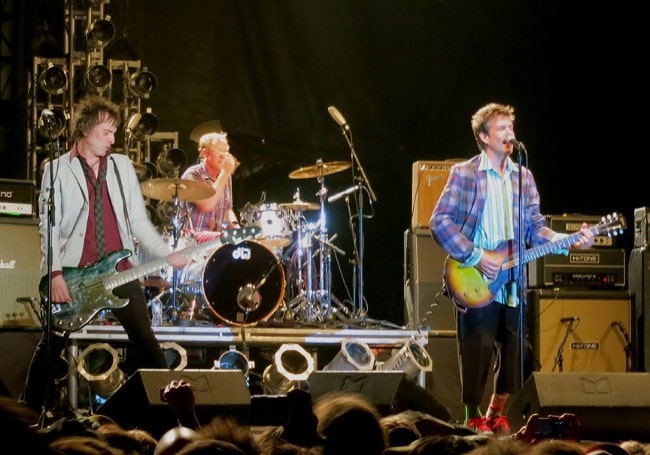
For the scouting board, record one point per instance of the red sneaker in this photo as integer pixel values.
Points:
(499, 424)
(480, 425)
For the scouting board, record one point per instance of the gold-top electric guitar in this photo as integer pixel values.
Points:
(91, 287)
(470, 289)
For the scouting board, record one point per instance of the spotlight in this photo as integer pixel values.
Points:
(232, 359)
(99, 364)
(52, 123)
(411, 359)
(146, 126)
(142, 83)
(175, 355)
(53, 79)
(100, 33)
(292, 364)
(354, 355)
(98, 78)
(170, 161)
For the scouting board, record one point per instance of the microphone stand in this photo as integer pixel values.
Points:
(358, 298)
(521, 285)
(559, 357)
(53, 149)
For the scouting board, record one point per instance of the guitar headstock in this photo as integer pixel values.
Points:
(239, 234)
(611, 225)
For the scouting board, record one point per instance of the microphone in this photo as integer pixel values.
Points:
(338, 117)
(514, 142)
(569, 319)
(133, 122)
(343, 193)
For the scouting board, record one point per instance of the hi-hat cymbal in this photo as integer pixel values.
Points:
(320, 170)
(186, 190)
(300, 206)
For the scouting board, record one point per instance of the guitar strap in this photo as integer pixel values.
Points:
(136, 242)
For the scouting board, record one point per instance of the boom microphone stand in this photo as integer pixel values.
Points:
(358, 299)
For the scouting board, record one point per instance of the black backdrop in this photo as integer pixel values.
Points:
(406, 75)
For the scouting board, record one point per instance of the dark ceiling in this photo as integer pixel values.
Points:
(407, 76)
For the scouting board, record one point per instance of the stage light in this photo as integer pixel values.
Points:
(100, 33)
(292, 364)
(98, 78)
(99, 364)
(411, 359)
(233, 359)
(354, 355)
(53, 79)
(52, 123)
(175, 355)
(142, 83)
(170, 162)
(146, 126)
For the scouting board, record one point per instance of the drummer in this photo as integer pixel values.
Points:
(208, 217)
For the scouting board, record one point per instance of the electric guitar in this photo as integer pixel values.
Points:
(91, 287)
(470, 289)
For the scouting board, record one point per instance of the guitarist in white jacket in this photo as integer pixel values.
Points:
(476, 221)
(90, 206)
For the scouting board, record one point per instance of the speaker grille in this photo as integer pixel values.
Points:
(19, 271)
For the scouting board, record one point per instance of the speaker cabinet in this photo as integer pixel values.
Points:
(428, 178)
(138, 403)
(390, 391)
(609, 406)
(580, 331)
(20, 259)
(639, 287)
(424, 260)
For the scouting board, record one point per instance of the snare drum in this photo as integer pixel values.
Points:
(273, 220)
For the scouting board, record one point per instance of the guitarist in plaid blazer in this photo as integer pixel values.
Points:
(476, 221)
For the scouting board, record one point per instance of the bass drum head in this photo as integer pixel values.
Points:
(235, 269)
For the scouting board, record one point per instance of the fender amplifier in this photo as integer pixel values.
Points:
(427, 181)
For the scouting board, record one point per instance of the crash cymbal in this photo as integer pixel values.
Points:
(186, 190)
(320, 170)
(300, 206)
(211, 126)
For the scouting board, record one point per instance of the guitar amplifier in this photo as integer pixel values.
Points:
(428, 178)
(570, 223)
(17, 197)
(593, 268)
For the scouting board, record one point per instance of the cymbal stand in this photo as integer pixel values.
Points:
(322, 297)
(176, 225)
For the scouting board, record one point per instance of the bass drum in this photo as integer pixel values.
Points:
(241, 284)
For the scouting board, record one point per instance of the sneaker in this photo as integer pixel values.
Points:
(480, 425)
(499, 424)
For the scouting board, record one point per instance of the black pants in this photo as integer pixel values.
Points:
(135, 319)
(482, 333)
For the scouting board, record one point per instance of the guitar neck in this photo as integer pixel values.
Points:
(542, 250)
(139, 271)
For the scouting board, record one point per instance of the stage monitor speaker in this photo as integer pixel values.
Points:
(138, 403)
(609, 406)
(20, 259)
(390, 391)
(580, 331)
(424, 260)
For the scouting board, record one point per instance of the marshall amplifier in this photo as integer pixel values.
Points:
(16, 197)
(570, 223)
(593, 268)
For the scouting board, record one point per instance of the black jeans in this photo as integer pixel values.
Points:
(135, 319)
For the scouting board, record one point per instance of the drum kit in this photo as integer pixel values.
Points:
(282, 273)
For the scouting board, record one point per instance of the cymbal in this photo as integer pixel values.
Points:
(317, 170)
(300, 206)
(211, 126)
(186, 190)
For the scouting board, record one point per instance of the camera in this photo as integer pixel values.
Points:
(565, 426)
